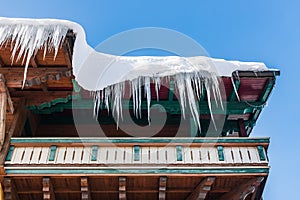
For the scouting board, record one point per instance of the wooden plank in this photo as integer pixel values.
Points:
(36, 155)
(187, 155)
(128, 151)
(171, 155)
(18, 155)
(85, 191)
(34, 62)
(228, 155)
(68, 58)
(145, 151)
(213, 155)
(162, 158)
(86, 155)
(120, 155)
(48, 193)
(153, 155)
(242, 191)
(61, 153)
(254, 157)
(111, 154)
(69, 155)
(78, 155)
(201, 190)
(245, 154)
(44, 155)
(162, 188)
(9, 189)
(196, 155)
(204, 155)
(236, 155)
(3, 100)
(122, 188)
(2, 64)
(27, 155)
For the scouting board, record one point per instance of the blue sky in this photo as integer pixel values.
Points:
(266, 31)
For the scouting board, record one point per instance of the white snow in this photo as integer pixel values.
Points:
(105, 74)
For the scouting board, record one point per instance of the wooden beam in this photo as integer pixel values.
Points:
(18, 121)
(9, 188)
(242, 132)
(48, 193)
(3, 100)
(4, 89)
(122, 188)
(85, 191)
(162, 188)
(201, 190)
(242, 191)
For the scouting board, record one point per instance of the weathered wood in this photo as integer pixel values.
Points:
(122, 188)
(4, 89)
(162, 188)
(9, 189)
(48, 193)
(241, 192)
(34, 62)
(18, 122)
(85, 191)
(201, 190)
(3, 100)
(2, 64)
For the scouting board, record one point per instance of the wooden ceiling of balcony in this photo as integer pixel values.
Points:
(136, 187)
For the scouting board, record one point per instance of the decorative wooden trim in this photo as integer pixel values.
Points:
(48, 193)
(52, 153)
(122, 188)
(200, 192)
(3, 100)
(94, 153)
(136, 156)
(242, 191)
(221, 153)
(9, 154)
(97, 170)
(162, 188)
(261, 153)
(85, 192)
(179, 153)
(9, 189)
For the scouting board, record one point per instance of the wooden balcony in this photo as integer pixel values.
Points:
(136, 168)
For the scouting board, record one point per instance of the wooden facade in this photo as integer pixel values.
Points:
(43, 157)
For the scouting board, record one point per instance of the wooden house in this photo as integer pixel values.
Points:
(44, 157)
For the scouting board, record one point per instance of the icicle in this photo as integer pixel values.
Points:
(148, 95)
(27, 39)
(235, 89)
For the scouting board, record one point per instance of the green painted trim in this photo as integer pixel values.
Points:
(94, 153)
(9, 154)
(140, 140)
(136, 150)
(140, 171)
(220, 153)
(261, 153)
(52, 153)
(76, 87)
(267, 90)
(179, 153)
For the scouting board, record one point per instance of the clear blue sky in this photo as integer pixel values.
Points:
(266, 31)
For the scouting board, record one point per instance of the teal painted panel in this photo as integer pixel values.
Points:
(140, 140)
(140, 171)
(136, 153)
(220, 153)
(179, 153)
(94, 153)
(261, 153)
(9, 154)
(52, 153)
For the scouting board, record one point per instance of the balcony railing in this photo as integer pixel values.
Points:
(137, 153)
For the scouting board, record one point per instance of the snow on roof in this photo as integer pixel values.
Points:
(97, 71)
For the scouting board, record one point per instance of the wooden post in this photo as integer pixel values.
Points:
(241, 192)
(200, 192)
(242, 132)
(16, 127)
(122, 188)
(85, 192)
(162, 188)
(48, 193)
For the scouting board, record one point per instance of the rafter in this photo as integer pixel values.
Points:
(241, 192)
(122, 188)
(162, 188)
(201, 190)
(9, 188)
(48, 193)
(85, 191)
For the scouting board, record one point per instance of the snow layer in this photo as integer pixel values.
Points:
(105, 74)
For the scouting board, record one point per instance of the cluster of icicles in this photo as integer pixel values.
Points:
(190, 87)
(27, 39)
